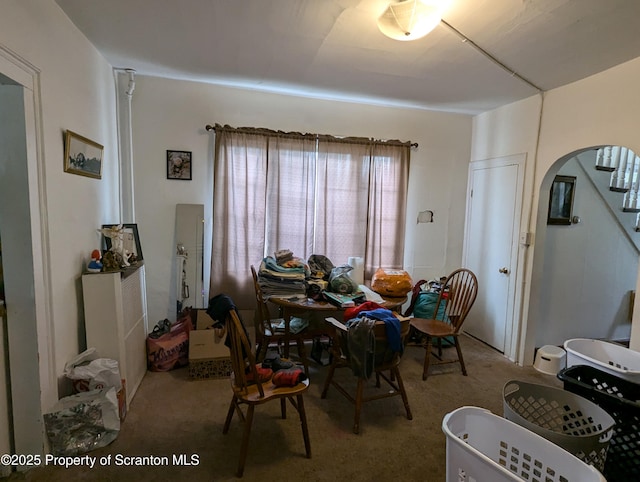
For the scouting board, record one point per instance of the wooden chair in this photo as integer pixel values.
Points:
(256, 393)
(415, 338)
(385, 360)
(267, 334)
(458, 292)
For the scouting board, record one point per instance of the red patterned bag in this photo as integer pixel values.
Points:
(171, 349)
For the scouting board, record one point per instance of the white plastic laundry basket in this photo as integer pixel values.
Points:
(484, 447)
(608, 357)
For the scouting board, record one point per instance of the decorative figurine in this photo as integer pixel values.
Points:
(116, 234)
(95, 265)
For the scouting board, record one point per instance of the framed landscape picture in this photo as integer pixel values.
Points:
(82, 156)
(179, 165)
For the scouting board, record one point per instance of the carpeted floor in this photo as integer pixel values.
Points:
(172, 415)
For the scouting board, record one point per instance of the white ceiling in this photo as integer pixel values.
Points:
(333, 48)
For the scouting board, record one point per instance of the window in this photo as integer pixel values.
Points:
(307, 193)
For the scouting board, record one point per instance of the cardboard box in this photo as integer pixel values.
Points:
(208, 355)
(203, 321)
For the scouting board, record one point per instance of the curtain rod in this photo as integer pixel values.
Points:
(209, 127)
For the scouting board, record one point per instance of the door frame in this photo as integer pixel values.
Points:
(518, 256)
(28, 430)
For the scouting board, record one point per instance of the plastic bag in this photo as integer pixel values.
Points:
(83, 422)
(425, 306)
(88, 372)
(391, 282)
(320, 266)
(340, 281)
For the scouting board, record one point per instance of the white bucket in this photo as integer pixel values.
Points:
(550, 359)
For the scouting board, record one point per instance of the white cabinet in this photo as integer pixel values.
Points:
(115, 312)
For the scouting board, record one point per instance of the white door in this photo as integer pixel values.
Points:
(491, 248)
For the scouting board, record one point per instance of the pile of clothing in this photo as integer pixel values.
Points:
(283, 275)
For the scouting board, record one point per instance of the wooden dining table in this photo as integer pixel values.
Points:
(302, 305)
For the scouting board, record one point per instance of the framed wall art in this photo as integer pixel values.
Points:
(179, 165)
(561, 200)
(130, 239)
(82, 156)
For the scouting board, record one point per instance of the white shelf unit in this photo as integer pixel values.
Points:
(115, 311)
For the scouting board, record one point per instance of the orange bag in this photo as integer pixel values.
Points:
(391, 282)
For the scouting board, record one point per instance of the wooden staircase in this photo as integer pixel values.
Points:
(615, 179)
(623, 164)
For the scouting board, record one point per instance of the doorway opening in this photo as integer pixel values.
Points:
(585, 272)
(27, 286)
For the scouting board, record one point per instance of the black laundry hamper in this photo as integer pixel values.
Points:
(621, 399)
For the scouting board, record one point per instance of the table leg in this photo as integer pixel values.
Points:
(286, 316)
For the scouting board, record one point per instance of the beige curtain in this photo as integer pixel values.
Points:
(291, 196)
(307, 193)
(239, 196)
(387, 206)
(343, 184)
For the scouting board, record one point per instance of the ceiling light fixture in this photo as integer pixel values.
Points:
(410, 19)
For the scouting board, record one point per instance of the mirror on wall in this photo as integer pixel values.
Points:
(189, 256)
(561, 200)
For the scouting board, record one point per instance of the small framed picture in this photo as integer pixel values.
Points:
(561, 200)
(82, 156)
(127, 234)
(179, 165)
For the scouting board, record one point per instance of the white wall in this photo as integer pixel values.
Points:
(172, 114)
(76, 92)
(600, 110)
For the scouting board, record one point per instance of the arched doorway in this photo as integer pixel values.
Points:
(584, 272)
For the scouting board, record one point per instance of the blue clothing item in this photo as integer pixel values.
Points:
(391, 325)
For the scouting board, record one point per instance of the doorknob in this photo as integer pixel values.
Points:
(503, 271)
